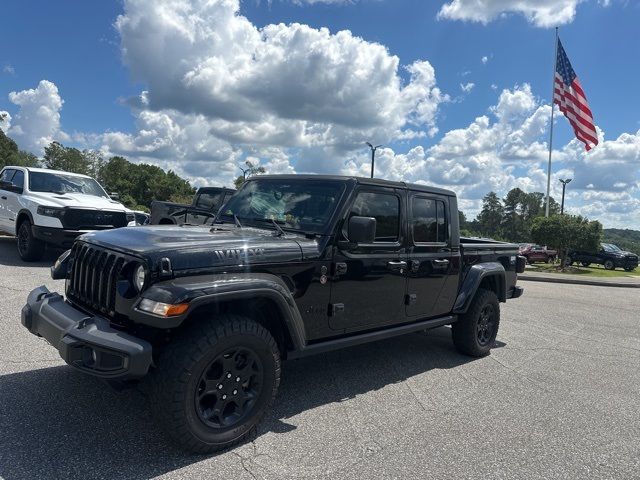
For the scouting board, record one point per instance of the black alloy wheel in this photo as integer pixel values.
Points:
(609, 265)
(229, 387)
(486, 325)
(30, 248)
(214, 382)
(475, 331)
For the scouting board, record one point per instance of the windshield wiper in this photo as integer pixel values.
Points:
(235, 219)
(280, 232)
(279, 228)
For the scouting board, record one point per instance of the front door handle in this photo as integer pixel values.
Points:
(401, 265)
(4, 198)
(441, 263)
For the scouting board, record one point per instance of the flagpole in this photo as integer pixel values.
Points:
(553, 92)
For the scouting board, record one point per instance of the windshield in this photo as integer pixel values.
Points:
(61, 183)
(296, 204)
(609, 247)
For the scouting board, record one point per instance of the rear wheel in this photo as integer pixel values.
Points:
(629, 269)
(30, 248)
(215, 383)
(568, 261)
(475, 332)
(609, 265)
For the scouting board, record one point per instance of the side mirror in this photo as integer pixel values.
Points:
(5, 185)
(114, 196)
(362, 230)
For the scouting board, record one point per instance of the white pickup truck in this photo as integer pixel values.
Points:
(42, 207)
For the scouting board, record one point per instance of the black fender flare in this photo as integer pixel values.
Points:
(472, 281)
(22, 212)
(202, 290)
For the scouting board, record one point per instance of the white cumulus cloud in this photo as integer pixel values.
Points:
(541, 13)
(37, 121)
(286, 85)
(508, 149)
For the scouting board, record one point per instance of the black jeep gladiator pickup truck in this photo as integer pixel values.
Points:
(206, 203)
(292, 266)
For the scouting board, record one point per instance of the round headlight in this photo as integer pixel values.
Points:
(139, 277)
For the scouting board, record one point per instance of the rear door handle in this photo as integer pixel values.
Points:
(401, 265)
(441, 263)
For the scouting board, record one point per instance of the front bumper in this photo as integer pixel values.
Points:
(515, 292)
(59, 237)
(85, 342)
(626, 262)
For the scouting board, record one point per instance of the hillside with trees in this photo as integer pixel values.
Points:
(626, 239)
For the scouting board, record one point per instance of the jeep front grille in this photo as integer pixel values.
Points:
(94, 275)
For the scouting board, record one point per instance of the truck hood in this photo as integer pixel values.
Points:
(196, 247)
(76, 200)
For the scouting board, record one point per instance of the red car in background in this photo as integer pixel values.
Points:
(537, 253)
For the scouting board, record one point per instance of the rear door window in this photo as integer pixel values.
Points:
(208, 201)
(428, 220)
(7, 175)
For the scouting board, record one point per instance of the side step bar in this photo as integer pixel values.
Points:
(371, 336)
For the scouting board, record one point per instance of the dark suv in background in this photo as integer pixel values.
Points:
(609, 255)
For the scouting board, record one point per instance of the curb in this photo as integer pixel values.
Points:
(578, 281)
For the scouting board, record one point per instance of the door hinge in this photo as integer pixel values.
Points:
(340, 268)
(410, 299)
(336, 309)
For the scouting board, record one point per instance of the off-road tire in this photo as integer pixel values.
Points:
(30, 248)
(609, 265)
(174, 383)
(465, 332)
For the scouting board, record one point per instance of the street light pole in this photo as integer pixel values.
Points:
(373, 156)
(564, 185)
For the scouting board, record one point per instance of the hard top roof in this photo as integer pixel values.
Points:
(361, 180)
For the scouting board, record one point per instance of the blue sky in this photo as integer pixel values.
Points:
(79, 49)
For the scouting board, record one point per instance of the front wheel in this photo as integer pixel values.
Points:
(475, 332)
(214, 384)
(609, 265)
(30, 248)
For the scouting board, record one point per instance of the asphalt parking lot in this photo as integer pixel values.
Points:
(558, 398)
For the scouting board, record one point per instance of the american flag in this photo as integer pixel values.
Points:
(569, 96)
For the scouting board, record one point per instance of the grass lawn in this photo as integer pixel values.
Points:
(592, 271)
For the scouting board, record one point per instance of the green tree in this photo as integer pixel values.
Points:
(10, 154)
(490, 217)
(68, 159)
(139, 184)
(513, 224)
(567, 232)
(247, 172)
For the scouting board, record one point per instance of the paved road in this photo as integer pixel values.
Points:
(559, 398)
